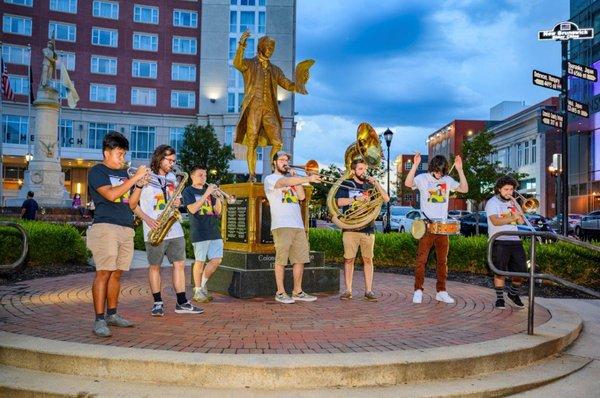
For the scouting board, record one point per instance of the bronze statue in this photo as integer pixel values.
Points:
(48, 64)
(260, 121)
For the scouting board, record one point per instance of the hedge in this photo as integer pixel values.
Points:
(49, 244)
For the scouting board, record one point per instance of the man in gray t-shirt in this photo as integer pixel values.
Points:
(503, 214)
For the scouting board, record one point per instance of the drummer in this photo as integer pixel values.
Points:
(434, 188)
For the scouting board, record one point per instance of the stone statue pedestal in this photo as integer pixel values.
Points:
(247, 269)
(44, 175)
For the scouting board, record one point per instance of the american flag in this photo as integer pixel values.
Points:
(6, 89)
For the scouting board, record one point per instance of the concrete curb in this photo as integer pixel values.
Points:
(304, 371)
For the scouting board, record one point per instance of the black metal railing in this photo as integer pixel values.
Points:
(16, 265)
(532, 275)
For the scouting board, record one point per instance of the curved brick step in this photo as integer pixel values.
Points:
(272, 371)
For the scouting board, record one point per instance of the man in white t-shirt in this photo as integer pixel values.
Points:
(508, 253)
(434, 188)
(284, 194)
(153, 201)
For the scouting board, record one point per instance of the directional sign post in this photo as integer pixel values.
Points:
(564, 32)
(546, 80)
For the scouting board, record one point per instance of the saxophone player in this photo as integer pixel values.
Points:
(155, 197)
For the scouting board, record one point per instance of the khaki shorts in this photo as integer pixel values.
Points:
(354, 240)
(292, 244)
(111, 246)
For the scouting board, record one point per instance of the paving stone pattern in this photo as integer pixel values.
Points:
(61, 309)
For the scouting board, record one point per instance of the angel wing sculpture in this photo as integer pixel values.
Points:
(302, 74)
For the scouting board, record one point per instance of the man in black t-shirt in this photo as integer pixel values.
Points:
(351, 193)
(29, 207)
(110, 238)
(205, 231)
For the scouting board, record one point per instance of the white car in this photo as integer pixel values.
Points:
(396, 213)
(406, 221)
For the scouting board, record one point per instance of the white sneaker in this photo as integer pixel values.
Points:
(444, 296)
(418, 296)
(284, 298)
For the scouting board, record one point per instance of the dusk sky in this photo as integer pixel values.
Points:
(414, 66)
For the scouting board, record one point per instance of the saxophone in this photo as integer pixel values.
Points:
(170, 214)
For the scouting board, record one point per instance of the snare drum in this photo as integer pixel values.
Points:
(444, 227)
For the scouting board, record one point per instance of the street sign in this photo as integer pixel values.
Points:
(566, 31)
(578, 108)
(582, 71)
(552, 119)
(547, 80)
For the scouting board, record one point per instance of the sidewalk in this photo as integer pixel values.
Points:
(585, 382)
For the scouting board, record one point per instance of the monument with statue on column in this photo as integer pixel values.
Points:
(248, 263)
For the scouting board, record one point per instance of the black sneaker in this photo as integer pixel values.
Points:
(188, 308)
(500, 304)
(516, 300)
(157, 309)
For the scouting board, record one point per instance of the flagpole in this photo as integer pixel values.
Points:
(1, 138)
(29, 103)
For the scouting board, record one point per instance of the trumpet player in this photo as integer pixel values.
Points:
(110, 238)
(154, 199)
(503, 214)
(284, 194)
(354, 191)
(205, 231)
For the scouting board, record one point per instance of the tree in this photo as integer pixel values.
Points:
(480, 171)
(318, 200)
(201, 146)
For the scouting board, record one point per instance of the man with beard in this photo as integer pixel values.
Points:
(284, 195)
(434, 188)
(351, 193)
(507, 252)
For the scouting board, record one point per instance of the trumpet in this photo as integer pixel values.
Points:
(218, 193)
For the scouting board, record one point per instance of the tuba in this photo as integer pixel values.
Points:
(368, 147)
(170, 214)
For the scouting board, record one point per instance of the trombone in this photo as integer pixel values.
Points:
(530, 205)
(312, 167)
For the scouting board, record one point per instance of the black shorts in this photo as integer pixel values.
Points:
(509, 256)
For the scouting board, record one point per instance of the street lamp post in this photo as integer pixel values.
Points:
(388, 134)
(556, 174)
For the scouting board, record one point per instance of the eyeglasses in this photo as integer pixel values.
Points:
(171, 160)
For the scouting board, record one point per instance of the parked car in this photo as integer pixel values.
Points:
(396, 212)
(456, 214)
(405, 223)
(590, 226)
(574, 223)
(467, 224)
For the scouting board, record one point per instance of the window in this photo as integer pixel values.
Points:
(229, 135)
(176, 137)
(259, 153)
(519, 155)
(28, 3)
(143, 96)
(12, 54)
(104, 65)
(66, 133)
(14, 173)
(183, 99)
(502, 157)
(528, 184)
(142, 141)
(533, 151)
(16, 25)
(14, 129)
(235, 78)
(261, 22)
(184, 45)
(185, 19)
(145, 14)
(103, 93)
(247, 21)
(231, 102)
(69, 6)
(240, 100)
(145, 69)
(183, 72)
(105, 37)
(232, 21)
(105, 9)
(408, 165)
(232, 47)
(526, 157)
(60, 87)
(19, 84)
(96, 133)
(67, 58)
(145, 42)
(62, 31)
(249, 51)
